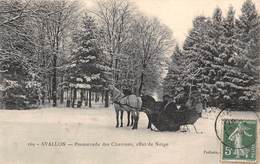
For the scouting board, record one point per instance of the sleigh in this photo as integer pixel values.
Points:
(168, 117)
(171, 118)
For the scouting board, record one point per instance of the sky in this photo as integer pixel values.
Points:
(178, 14)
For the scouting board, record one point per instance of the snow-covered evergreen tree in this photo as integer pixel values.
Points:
(16, 50)
(172, 82)
(247, 39)
(200, 52)
(232, 79)
(86, 69)
(247, 35)
(220, 58)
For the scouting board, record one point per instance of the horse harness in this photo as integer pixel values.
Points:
(121, 104)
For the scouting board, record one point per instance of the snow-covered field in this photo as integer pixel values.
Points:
(95, 140)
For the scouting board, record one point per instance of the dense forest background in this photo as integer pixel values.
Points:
(220, 56)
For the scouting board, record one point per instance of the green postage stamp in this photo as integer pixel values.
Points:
(239, 140)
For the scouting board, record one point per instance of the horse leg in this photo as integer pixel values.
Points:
(137, 119)
(121, 117)
(134, 119)
(117, 123)
(149, 120)
(128, 118)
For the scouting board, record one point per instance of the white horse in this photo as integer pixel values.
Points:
(130, 103)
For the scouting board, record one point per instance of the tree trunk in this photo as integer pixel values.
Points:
(96, 97)
(61, 96)
(54, 79)
(86, 98)
(142, 80)
(1, 92)
(102, 96)
(43, 97)
(106, 99)
(90, 98)
(49, 90)
(116, 74)
(74, 96)
(71, 94)
(81, 95)
(141, 84)
(68, 99)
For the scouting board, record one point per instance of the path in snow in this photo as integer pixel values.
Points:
(79, 126)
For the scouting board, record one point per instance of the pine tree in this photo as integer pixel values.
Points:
(247, 38)
(230, 76)
(172, 82)
(202, 59)
(224, 64)
(220, 57)
(86, 69)
(207, 59)
(16, 49)
(248, 29)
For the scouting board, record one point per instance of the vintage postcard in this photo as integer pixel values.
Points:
(129, 81)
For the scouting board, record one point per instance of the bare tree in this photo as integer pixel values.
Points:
(114, 18)
(137, 40)
(55, 20)
(152, 41)
(8, 8)
(14, 26)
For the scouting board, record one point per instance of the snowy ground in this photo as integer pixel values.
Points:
(85, 129)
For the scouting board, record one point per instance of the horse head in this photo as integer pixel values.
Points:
(148, 101)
